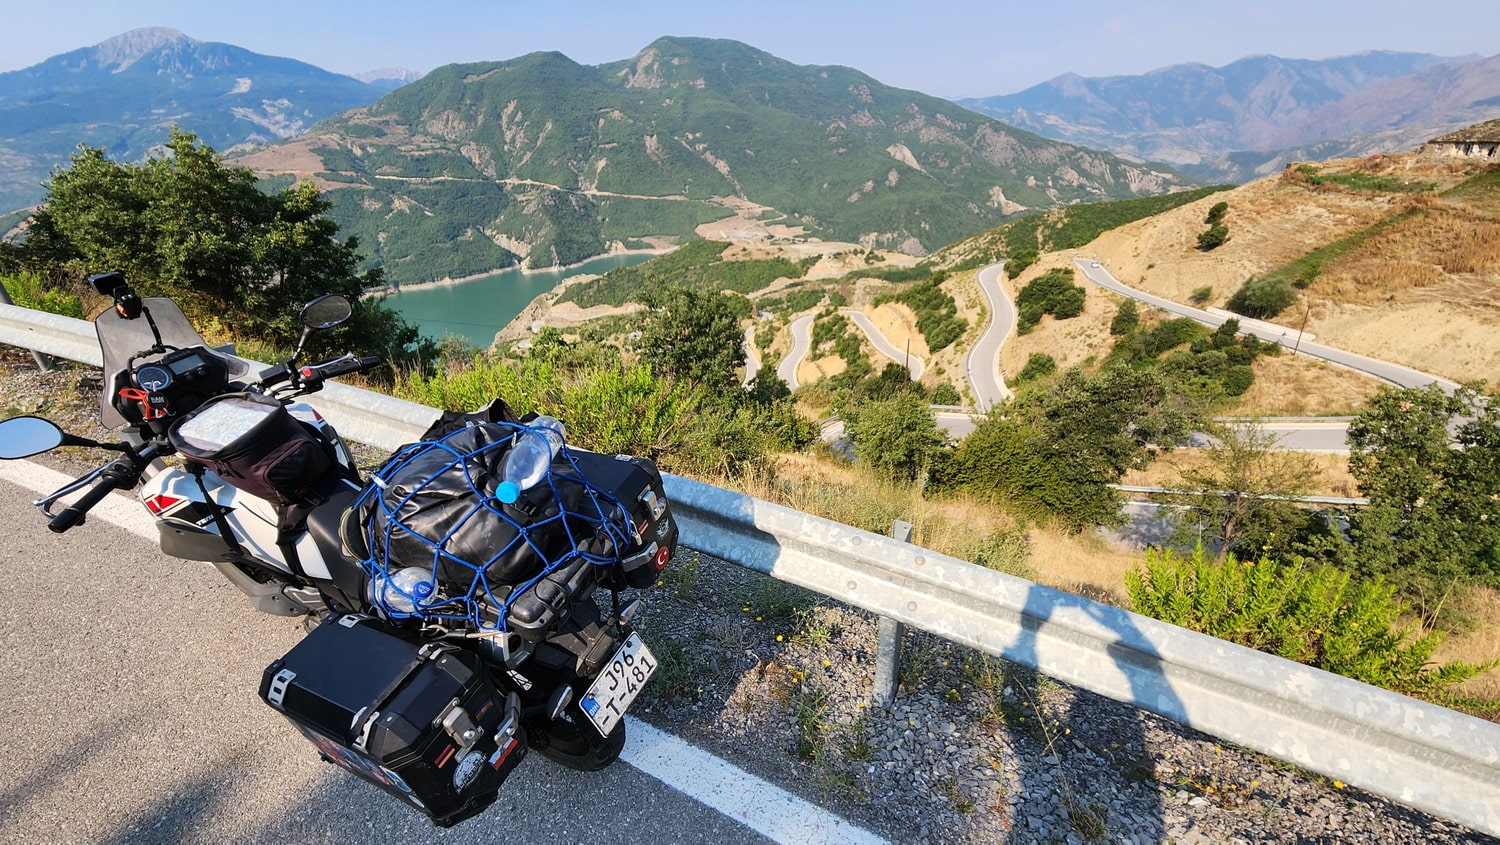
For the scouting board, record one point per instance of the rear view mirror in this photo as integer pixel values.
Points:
(325, 312)
(22, 437)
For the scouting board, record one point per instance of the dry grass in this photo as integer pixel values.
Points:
(1298, 386)
(1479, 643)
(1086, 564)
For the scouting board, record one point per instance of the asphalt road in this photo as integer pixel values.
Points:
(913, 364)
(801, 329)
(1384, 370)
(983, 364)
(752, 361)
(131, 715)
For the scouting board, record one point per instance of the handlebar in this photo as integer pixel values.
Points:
(121, 473)
(73, 514)
(313, 375)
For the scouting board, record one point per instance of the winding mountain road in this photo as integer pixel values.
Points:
(914, 365)
(1290, 339)
(801, 329)
(982, 366)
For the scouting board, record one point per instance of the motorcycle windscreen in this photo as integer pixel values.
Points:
(121, 339)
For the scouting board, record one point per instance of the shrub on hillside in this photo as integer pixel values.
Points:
(1127, 317)
(1317, 616)
(1214, 237)
(28, 291)
(1039, 365)
(1052, 293)
(1262, 298)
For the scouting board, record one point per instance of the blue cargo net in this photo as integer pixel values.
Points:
(562, 519)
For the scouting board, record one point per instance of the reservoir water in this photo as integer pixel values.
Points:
(478, 308)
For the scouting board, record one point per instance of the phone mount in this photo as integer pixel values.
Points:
(127, 302)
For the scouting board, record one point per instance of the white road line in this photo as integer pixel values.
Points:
(764, 807)
(117, 509)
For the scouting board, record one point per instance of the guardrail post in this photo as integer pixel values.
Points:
(43, 361)
(888, 640)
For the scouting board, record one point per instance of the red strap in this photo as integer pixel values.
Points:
(135, 394)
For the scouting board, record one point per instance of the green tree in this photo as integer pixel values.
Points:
(1056, 453)
(693, 335)
(1430, 464)
(1216, 213)
(1126, 318)
(182, 224)
(1240, 490)
(896, 437)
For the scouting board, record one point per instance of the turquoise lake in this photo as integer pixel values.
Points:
(479, 308)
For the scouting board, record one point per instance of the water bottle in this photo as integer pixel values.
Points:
(530, 458)
(404, 590)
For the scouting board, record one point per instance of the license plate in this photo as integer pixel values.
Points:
(617, 686)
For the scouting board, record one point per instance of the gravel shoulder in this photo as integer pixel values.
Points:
(975, 750)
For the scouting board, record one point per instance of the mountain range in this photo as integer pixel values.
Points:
(124, 94)
(545, 161)
(549, 161)
(1248, 118)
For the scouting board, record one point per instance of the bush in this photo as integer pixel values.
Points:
(1214, 237)
(28, 291)
(945, 394)
(1262, 298)
(1019, 261)
(1202, 295)
(1216, 214)
(1237, 379)
(1051, 293)
(1127, 317)
(1315, 616)
(1039, 365)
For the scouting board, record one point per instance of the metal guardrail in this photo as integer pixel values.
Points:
(1416, 753)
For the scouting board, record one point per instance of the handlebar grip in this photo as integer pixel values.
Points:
(73, 514)
(339, 367)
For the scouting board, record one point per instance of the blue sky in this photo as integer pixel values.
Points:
(949, 49)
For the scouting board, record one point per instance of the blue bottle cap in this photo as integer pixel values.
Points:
(507, 492)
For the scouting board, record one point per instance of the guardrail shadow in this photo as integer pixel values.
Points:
(1058, 798)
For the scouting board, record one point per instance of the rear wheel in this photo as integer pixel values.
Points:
(571, 740)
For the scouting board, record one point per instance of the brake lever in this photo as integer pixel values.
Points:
(46, 502)
(139, 459)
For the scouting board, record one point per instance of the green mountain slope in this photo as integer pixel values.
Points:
(552, 161)
(125, 94)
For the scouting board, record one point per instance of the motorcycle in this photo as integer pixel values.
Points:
(454, 599)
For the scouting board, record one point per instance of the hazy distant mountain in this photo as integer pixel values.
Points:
(388, 78)
(124, 94)
(543, 158)
(1194, 114)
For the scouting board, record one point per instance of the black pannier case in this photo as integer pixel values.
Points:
(424, 723)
